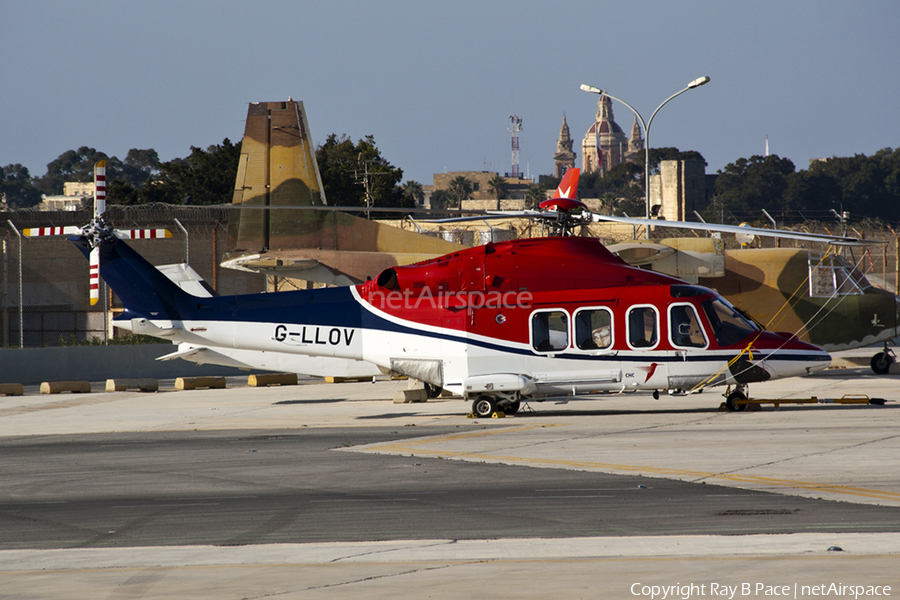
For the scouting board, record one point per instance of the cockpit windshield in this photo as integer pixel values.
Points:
(728, 325)
(834, 276)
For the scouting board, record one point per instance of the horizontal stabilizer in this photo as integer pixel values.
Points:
(145, 327)
(190, 351)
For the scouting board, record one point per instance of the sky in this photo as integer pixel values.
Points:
(436, 82)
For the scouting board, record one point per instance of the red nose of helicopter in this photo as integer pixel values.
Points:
(783, 355)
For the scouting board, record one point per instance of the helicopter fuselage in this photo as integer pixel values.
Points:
(505, 321)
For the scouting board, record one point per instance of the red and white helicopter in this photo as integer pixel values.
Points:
(497, 324)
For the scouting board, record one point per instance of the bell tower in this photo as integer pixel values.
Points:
(564, 157)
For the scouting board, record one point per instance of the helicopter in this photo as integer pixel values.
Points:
(497, 324)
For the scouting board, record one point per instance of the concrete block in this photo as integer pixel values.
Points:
(144, 385)
(193, 383)
(56, 387)
(346, 379)
(268, 379)
(11, 389)
(407, 396)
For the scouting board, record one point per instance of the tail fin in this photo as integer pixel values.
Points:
(277, 167)
(568, 185)
(143, 289)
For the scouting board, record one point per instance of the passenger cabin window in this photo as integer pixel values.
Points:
(593, 329)
(684, 327)
(728, 325)
(642, 327)
(550, 331)
(832, 276)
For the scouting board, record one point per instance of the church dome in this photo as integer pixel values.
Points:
(608, 135)
(606, 127)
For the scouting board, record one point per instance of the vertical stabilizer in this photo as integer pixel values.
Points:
(277, 168)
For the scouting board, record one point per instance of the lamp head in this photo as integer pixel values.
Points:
(698, 82)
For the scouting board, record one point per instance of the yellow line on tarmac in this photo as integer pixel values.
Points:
(418, 446)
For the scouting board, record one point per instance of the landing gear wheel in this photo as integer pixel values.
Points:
(484, 406)
(512, 408)
(881, 363)
(730, 401)
(432, 390)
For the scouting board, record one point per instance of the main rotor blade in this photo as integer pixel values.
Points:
(740, 229)
(493, 214)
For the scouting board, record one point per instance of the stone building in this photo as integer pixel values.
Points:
(516, 187)
(678, 190)
(605, 144)
(564, 158)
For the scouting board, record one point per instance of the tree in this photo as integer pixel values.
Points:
(535, 194)
(811, 191)
(413, 192)
(78, 165)
(498, 187)
(343, 166)
(139, 166)
(17, 188)
(440, 199)
(73, 165)
(870, 185)
(205, 177)
(747, 186)
(460, 189)
(658, 155)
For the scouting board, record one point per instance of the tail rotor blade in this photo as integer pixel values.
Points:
(95, 275)
(99, 188)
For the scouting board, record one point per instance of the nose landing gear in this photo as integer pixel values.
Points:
(735, 401)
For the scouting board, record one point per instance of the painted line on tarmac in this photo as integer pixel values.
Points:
(418, 446)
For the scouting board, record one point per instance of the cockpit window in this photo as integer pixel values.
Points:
(833, 276)
(684, 327)
(687, 291)
(728, 325)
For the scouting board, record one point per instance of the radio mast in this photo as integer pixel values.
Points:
(515, 127)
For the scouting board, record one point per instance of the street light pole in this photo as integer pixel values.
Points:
(646, 127)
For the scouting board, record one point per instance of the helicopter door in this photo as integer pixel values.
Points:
(685, 331)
